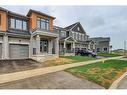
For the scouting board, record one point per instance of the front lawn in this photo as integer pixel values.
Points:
(101, 73)
(108, 54)
(67, 60)
(79, 58)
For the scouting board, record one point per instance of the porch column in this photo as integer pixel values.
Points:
(50, 47)
(64, 46)
(5, 47)
(57, 46)
(37, 44)
(73, 47)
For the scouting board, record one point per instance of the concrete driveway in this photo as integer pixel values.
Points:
(57, 80)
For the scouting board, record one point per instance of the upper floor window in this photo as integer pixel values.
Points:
(12, 23)
(63, 34)
(17, 24)
(42, 23)
(77, 36)
(74, 35)
(81, 37)
(78, 29)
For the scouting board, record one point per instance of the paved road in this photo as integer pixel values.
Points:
(57, 80)
(123, 84)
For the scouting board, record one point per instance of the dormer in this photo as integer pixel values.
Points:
(40, 20)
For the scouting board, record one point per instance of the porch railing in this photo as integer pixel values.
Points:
(62, 52)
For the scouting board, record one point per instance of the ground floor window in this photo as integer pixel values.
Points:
(98, 49)
(105, 49)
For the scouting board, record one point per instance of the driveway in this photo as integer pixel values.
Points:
(9, 66)
(57, 80)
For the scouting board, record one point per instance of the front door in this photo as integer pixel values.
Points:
(44, 46)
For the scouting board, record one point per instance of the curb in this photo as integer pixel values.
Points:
(116, 83)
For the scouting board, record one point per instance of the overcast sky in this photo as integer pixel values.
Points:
(104, 21)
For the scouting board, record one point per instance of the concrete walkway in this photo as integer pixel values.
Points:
(35, 72)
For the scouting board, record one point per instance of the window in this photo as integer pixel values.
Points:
(17, 24)
(63, 34)
(74, 35)
(78, 29)
(0, 19)
(42, 23)
(12, 23)
(24, 25)
(98, 49)
(77, 36)
(105, 49)
(81, 37)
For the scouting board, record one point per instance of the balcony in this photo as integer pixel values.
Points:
(44, 32)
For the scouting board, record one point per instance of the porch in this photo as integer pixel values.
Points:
(67, 47)
(44, 46)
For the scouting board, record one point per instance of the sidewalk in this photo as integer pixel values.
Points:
(35, 72)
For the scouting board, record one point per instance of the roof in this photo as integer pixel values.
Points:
(100, 39)
(71, 26)
(60, 28)
(13, 13)
(3, 9)
(38, 12)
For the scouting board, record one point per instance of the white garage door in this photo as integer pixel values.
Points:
(0, 50)
(18, 51)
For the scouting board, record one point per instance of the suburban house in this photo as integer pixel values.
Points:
(102, 44)
(30, 36)
(35, 36)
(73, 38)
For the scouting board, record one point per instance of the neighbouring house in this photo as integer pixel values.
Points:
(73, 38)
(30, 36)
(102, 44)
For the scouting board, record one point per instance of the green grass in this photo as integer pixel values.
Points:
(108, 54)
(101, 73)
(67, 60)
(79, 58)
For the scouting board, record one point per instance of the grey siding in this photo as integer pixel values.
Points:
(102, 45)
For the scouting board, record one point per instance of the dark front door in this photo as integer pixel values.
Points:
(44, 46)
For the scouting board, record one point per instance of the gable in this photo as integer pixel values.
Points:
(78, 28)
(70, 39)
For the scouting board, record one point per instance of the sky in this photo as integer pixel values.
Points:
(97, 21)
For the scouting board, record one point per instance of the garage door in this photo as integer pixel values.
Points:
(0, 51)
(18, 51)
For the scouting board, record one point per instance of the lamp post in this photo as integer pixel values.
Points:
(125, 48)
